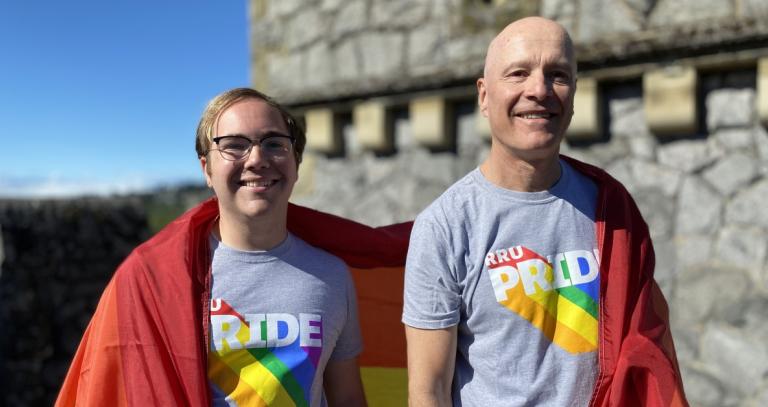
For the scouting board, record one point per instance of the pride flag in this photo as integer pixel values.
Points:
(147, 341)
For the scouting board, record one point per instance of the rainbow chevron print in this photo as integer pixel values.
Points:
(263, 359)
(557, 294)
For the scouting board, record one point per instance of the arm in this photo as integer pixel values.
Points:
(431, 361)
(342, 383)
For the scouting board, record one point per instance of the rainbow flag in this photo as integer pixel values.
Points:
(147, 344)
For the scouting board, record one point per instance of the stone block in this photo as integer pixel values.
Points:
(279, 8)
(651, 175)
(587, 117)
(753, 8)
(601, 19)
(333, 5)
(627, 118)
(347, 63)
(432, 122)
(701, 388)
(257, 9)
(686, 155)
(285, 74)
(727, 108)
(382, 54)
(762, 90)
(734, 357)
(401, 129)
(622, 171)
(305, 26)
(323, 133)
(319, 66)
(693, 250)
(734, 139)
(688, 12)
(373, 126)
(748, 206)
(426, 50)
(731, 173)
(657, 208)
(700, 292)
(349, 19)
(744, 248)
(563, 11)
(670, 100)
(761, 140)
(643, 147)
(399, 13)
(698, 208)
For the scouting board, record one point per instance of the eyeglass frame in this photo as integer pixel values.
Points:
(258, 142)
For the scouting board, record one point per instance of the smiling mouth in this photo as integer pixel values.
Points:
(536, 115)
(258, 184)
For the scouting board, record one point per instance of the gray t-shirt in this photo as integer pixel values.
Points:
(518, 273)
(277, 317)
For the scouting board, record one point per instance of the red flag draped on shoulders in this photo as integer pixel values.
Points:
(636, 356)
(146, 343)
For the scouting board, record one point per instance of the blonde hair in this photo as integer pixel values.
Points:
(224, 100)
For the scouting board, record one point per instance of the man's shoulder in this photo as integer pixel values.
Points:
(598, 175)
(314, 255)
(455, 196)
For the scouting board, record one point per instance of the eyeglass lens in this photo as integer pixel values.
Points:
(237, 147)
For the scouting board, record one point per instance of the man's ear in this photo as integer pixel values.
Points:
(206, 171)
(481, 97)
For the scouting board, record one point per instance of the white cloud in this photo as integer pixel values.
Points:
(58, 187)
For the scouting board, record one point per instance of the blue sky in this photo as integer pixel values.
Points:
(101, 97)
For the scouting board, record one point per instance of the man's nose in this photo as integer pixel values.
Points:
(256, 157)
(537, 86)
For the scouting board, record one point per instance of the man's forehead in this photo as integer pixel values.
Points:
(531, 40)
(526, 48)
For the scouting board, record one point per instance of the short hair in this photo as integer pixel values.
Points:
(224, 100)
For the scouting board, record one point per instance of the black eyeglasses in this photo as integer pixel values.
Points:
(234, 148)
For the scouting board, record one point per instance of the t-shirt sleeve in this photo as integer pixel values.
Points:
(432, 298)
(350, 342)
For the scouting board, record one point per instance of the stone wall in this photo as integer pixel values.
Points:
(55, 259)
(672, 99)
(310, 51)
(703, 197)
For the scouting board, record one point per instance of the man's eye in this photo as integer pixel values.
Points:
(561, 77)
(274, 144)
(236, 146)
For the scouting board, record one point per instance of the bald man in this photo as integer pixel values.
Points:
(504, 282)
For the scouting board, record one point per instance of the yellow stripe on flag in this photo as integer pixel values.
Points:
(385, 386)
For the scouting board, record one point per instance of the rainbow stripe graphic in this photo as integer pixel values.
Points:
(563, 303)
(276, 376)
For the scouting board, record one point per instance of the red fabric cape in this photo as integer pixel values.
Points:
(146, 343)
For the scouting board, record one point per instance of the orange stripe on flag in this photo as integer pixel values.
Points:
(380, 301)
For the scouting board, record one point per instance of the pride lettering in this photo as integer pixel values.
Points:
(508, 267)
(266, 330)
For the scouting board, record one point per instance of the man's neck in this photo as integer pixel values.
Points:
(262, 233)
(532, 175)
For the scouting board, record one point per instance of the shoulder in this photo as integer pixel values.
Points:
(597, 175)
(457, 197)
(306, 254)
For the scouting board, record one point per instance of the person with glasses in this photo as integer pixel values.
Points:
(225, 306)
